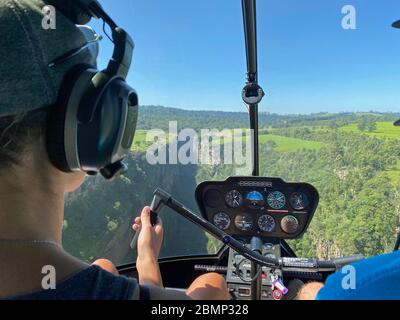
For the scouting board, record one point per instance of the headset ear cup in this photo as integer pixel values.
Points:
(57, 120)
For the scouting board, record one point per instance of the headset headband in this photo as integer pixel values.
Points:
(81, 12)
(78, 11)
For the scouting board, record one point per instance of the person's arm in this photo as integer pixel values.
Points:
(149, 245)
(209, 286)
(149, 272)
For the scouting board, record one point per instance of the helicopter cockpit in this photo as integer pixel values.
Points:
(248, 224)
(253, 216)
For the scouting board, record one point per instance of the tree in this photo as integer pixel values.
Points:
(362, 124)
(371, 126)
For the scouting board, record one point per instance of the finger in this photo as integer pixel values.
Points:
(159, 227)
(137, 222)
(136, 227)
(145, 217)
(159, 221)
(159, 230)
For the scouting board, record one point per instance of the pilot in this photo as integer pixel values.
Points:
(32, 190)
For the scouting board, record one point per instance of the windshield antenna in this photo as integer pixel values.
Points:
(252, 93)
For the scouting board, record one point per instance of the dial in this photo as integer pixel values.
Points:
(290, 224)
(255, 198)
(234, 199)
(266, 223)
(244, 222)
(213, 198)
(299, 201)
(222, 220)
(276, 200)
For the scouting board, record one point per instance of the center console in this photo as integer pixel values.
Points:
(239, 274)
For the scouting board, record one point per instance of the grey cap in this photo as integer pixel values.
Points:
(26, 50)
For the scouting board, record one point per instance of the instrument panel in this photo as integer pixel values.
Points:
(256, 206)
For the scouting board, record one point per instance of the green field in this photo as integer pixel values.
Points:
(139, 143)
(288, 144)
(383, 130)
(285, 144)
(140, 136)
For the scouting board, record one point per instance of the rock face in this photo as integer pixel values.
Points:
(99, 215)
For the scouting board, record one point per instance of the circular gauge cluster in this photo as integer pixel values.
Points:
(256, 206)
(244, 222)
(255, 199)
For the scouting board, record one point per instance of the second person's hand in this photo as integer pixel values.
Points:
(148, 248)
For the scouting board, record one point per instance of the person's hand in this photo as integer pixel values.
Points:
(148, 248)
(150, 238)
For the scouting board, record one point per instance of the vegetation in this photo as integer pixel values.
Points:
(352, 159)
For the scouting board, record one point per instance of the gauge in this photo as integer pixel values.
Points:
(255, 199)
(266, 223)
(234, 199)
(222, 220)
(290, 224)
(213, 198)
(299, 201)
(244, 222)
(276, 200)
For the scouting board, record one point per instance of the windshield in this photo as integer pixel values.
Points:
(331, 73)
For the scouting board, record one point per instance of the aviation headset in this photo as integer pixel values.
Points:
(93, 125)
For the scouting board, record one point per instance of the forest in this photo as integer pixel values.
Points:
(353, 159)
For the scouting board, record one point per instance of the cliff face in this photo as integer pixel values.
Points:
(99, 216)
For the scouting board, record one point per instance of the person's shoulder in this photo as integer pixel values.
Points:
(91, 283)
(377, 277)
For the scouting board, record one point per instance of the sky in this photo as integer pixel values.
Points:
(190, 54)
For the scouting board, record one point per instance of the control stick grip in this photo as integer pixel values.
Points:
(153, 221)
(155, 207)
